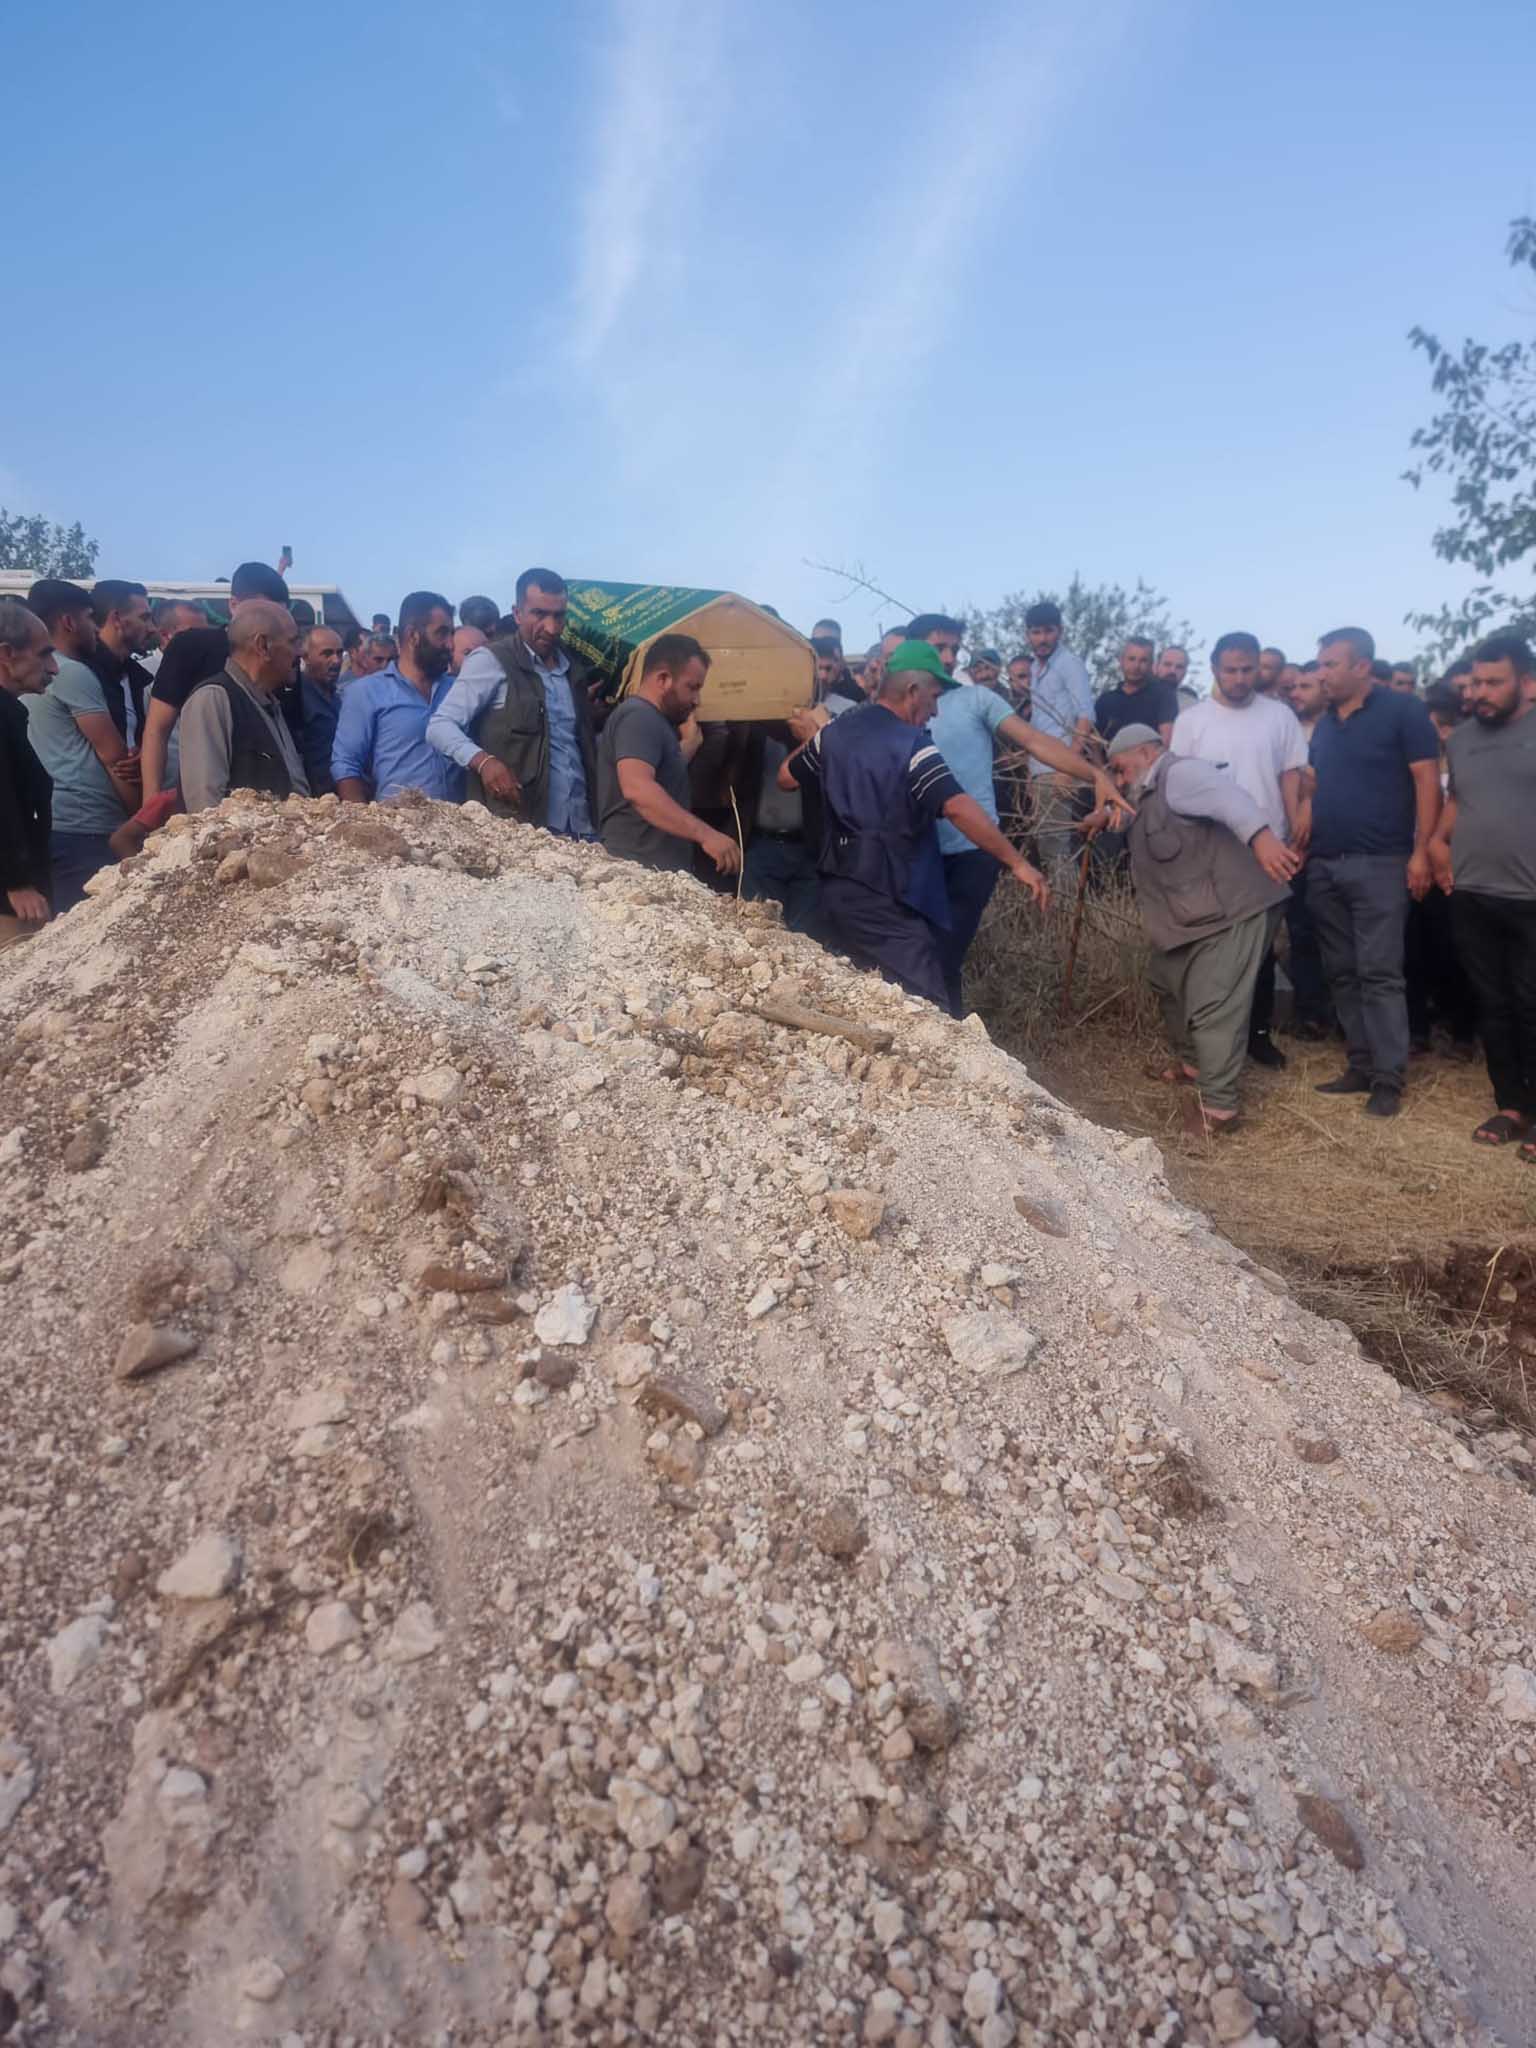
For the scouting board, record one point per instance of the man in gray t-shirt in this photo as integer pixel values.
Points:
(1483, 854)
(642, 778)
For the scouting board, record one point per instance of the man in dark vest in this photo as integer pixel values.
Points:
(518, 718)
(1211, 879)
(233, 735)
(883, 786)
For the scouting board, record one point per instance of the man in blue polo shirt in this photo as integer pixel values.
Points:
(1377, 761)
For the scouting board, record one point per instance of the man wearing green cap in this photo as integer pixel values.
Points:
(884, 785)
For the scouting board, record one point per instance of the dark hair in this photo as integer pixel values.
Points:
(303, 613)
(1275, 650)
(836, 628)
(1462, 666)
(416, 609)
(162, 608)
(1139, 640)
(480, 611)
(1235, 643)
(825, 648)
(53, 599)
(1445, 699)
(1511, 647)
(1045, 613)
(1412, 668)
(1381, 671)
(1177, 647)
(110, 593)
(670, 651)
(1310, 668)
(934, 622)
(351, 637)
(1355, 638)
(539, 579)
(255, 579)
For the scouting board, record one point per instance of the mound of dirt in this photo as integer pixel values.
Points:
(545, 1504)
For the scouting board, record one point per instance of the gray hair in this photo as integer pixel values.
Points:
(259, 618)
(19, 628)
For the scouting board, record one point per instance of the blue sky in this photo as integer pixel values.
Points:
(691, 290)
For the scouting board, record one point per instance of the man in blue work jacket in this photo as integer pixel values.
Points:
(883, 786)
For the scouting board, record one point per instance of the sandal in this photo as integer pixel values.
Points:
(1200, 1123)
(1527, 1153)
(1175, 1075)
(1501, 1129)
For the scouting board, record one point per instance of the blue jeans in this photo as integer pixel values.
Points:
(75, 857)
(969, 879)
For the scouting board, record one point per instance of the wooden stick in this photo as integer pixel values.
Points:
(1077, 931)
(795, 1017)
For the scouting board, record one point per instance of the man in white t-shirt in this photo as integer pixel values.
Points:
(1258, 741)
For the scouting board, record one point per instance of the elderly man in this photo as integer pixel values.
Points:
(191, 658)
(233, 735)
(884, 785)
(381, 744)
(1211, 876)
(26, 795)
(518, 719)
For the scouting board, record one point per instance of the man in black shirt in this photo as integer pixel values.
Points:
(26, 794)
(124, 631)
(192, 658)
(1140, 698)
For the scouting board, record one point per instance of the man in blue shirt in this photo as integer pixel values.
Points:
(319, 704)
(381, 730)
(518, 718)
(1061, 706)
(1376, 757)
(968, 722)
(883, 786)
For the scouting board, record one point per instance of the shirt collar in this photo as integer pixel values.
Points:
(557, 667)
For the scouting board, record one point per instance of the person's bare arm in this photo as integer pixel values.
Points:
(638, 786)
(1426, 799)
(1064, 761)
(1440, 847)
(155, 744)
(967, 816)
(1298, 807)
(107, 745)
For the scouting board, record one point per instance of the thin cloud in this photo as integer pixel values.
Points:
(663, 66)
(1040, 62)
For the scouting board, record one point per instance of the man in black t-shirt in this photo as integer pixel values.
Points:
(642, 777)
(192, 658)
(1140, 698)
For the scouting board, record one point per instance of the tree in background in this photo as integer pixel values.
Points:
(1484, 444)
(28, 542)
(1097, 619)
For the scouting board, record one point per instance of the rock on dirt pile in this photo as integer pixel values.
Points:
(544, 1504)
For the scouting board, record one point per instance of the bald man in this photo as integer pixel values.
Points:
(233, 735)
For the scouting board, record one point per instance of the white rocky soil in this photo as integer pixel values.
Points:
(542, 1506)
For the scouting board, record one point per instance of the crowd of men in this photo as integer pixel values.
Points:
(1386, 827)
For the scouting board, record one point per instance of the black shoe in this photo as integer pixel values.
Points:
(1384, 1101)
(1350, 1082)
(1311, 1030)
(1264, 1052)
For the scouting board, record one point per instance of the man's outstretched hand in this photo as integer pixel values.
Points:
(1031, 879)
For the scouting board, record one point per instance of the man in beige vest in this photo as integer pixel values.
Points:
(1211, 878)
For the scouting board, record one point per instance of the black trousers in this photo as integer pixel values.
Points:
(1496, 938)
(1438, 989)
(877, 931)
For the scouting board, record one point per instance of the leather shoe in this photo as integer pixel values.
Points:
(1264, 1052)
(1348, 1083)
(1384, 1102)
